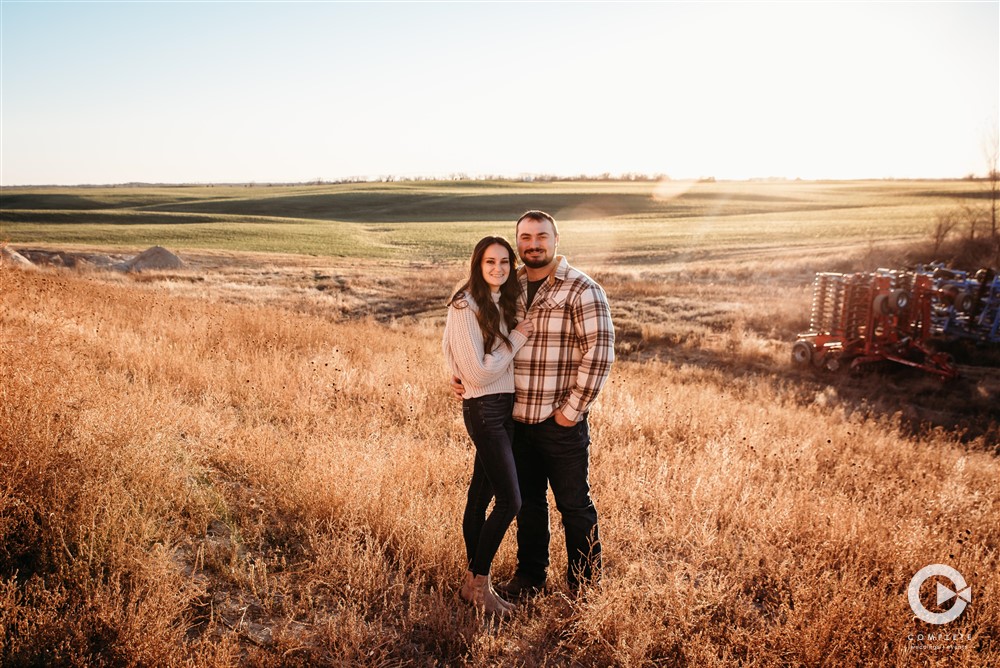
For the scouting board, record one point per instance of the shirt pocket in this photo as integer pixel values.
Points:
(551, 302)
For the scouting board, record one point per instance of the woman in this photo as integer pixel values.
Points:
(480, 339)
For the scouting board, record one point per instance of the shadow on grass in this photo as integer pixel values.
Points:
(966, 407)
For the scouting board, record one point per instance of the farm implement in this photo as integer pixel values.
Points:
(897, 316)
(970, 307)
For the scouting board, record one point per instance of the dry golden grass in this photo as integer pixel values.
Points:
(247, 469)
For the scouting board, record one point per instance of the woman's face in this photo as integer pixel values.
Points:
(496, 266)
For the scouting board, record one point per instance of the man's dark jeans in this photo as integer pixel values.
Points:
(549, 454)
(491, 427)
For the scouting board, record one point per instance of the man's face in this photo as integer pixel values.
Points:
(536, 242)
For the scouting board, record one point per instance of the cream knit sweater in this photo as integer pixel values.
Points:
(464, 352)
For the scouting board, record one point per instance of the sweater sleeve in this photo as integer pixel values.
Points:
(464, 340)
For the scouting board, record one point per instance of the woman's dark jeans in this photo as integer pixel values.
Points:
(491, 427)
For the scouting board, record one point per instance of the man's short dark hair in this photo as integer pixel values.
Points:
(539, 216)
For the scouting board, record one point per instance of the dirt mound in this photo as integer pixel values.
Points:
(11, 258)
(156, 257)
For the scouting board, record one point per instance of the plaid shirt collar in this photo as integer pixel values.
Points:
(559, 272)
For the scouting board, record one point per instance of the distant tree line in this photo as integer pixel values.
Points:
(521, 178)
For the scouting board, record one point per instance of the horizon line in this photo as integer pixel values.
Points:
(546, 178)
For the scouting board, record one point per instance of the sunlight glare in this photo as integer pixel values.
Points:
(667, 189)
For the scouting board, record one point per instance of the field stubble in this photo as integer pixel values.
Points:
(256, 460)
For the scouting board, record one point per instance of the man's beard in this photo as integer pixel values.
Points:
(538, 263)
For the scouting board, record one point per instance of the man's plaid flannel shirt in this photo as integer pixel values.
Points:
(566, 361)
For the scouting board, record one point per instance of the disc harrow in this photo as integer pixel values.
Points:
(897, 316)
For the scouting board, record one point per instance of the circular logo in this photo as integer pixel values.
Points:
(962, 591)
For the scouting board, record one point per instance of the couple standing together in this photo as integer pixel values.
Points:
(530, 349)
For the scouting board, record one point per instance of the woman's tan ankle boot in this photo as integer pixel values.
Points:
(505, 607)
(477, 590)
(469, 593)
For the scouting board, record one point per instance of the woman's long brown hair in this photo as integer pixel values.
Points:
(477, 288)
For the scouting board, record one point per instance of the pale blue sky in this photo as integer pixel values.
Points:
(112, 92)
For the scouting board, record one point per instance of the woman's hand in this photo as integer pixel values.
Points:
(526, 327)
(457, 388)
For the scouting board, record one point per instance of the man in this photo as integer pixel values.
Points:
(558, 374)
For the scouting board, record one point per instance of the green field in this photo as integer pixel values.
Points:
(613, 221)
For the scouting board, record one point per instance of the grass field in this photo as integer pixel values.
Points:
(255, 460)
(610, 221)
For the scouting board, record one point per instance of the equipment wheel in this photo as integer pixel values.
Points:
(881, 305)
(964, 301)
(899, 300)
(802, 353)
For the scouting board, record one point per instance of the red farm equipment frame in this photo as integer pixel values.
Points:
(862, 318)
